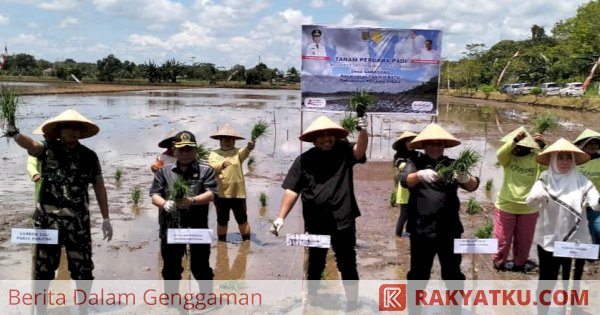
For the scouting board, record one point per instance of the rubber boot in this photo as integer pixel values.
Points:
(222, 232)
(245, 231)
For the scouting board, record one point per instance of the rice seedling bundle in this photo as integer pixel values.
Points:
(8, 105)
(179, 190)
(259, 129)
(466, 161)
(544, 122)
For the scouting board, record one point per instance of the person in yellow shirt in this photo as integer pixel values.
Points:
(514, 220)
(227, 163)
(403, 153)
(589, 142)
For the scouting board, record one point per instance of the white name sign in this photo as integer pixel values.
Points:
(189, 236)
(475, 246)
(575, 250)
(308, 240)
(34, 236)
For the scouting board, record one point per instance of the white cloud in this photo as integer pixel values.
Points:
(230, 14)
(58, 5)
(317, 3)
(68, 22)
(25, 39)
(192, 35)
(155, 11)
(4, 20)
(33, 25)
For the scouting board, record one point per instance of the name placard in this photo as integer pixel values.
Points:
(308, 240)
(575, 250)
(189, 236)
(475, 246)
(34, 236)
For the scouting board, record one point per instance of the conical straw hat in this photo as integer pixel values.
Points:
(511, 135)
(434, 132)
(586, 134)
(227, 131)
(405, 135)
(562, 145)
(89, 129)
(528, 141)
(38, 130)
(323, 125)
(167, 142)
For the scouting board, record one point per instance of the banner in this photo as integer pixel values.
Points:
(511, 297)
(399, 68)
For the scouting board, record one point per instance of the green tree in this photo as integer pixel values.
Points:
(152, 71)
(292, 75)
(238, 73)
(171, 69)
(108, 68)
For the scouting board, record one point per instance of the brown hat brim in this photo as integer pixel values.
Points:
(313, 135)
(88, 128)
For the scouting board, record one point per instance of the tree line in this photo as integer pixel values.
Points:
(565, 56)
(111, 69)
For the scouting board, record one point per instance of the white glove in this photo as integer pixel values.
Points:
(107, 230)
(463, 177)
(362, 123)
(170, 206)
(428, 176)
(276, 226)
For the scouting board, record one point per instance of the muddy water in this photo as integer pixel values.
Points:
(132, 123)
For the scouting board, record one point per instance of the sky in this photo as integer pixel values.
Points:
(246, 32)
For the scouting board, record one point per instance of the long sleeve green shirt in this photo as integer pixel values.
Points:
(591, 170)
(520, 173)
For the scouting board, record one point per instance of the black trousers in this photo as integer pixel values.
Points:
(422, 253)
(342, 243)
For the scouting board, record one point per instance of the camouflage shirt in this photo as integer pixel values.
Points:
(66, 174)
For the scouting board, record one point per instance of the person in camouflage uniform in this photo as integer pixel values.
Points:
(188, 212)
(67, 169)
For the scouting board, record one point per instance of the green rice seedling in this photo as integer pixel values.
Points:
(202, 152)
(473, 206)
(466, 161)
(9, 101)
(118, 175)
(361, 102)
(544, 122)
(259, 129)
(393, 198)
(489, 184)
(349, 123)
(251, 161)
(485, 231)
(263, 199)
(179, 190)
(136, 195)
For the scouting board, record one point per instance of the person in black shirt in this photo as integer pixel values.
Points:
(323, 176)
(188, 212)
(433, 220)
(433, 205)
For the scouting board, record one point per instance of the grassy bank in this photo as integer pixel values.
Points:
(586, 103)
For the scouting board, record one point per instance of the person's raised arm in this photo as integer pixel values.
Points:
(34, 148)
(360, 148)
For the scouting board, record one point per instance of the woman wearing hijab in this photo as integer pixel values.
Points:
(561, 194)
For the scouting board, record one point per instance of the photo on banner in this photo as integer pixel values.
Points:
(399, 68)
